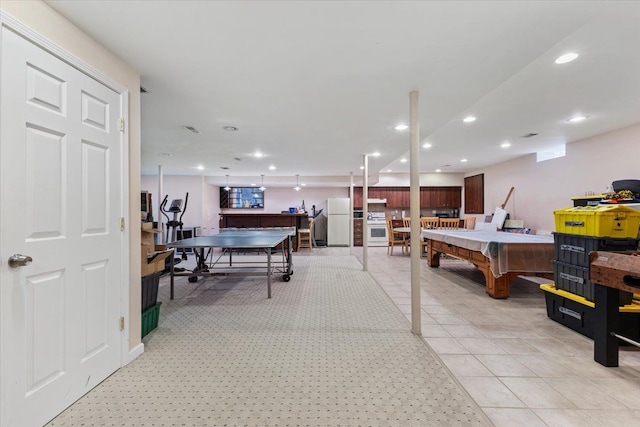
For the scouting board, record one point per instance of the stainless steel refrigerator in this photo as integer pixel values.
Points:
(338, 226)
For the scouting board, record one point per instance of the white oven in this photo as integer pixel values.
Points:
(377, 229)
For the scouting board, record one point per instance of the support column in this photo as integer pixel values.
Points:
(365, 202)
(414, 209)
(160, 196)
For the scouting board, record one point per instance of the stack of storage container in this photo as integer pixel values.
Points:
(579, 231)
(153, 257)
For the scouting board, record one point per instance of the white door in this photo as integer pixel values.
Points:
(60, 203)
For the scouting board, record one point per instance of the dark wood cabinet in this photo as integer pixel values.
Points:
(357, 197)
(358, 230)
(400, 197)
(440, 197)
(474, 194)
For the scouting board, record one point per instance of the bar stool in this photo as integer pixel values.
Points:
(304, 236)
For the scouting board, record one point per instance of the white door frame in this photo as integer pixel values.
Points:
(7, 21)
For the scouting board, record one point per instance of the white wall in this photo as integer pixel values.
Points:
(540, 188)
(47, 22)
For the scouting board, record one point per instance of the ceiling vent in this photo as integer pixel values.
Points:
(143, 90)
(191, 129)
(529, 135)
(224, 167)
(238, 159)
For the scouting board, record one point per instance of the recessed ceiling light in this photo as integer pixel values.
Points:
(258, 154)
(426, 145)
(272, 168)
(388, 170)
(576, 119)
(401, 126)
(230, 128)
(469, 119)
(438, 170)
(361, 167)
(303, 184)
(403, 160)
(376, 154)
(567, 57)
(252, 184)
(463, 160)
(200, 167)
(505, 145)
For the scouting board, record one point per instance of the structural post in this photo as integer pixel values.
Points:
(351, 210)
(365, 202)
(414, 180)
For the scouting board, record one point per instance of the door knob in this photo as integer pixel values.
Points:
(17, 260)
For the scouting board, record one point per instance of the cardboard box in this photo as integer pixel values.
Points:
(152, 255)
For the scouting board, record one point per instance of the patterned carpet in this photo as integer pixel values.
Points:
(329, 349)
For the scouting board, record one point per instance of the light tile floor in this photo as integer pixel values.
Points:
(521, 367)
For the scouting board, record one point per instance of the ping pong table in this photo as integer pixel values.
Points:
(260, 241)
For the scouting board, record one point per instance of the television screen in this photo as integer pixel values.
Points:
(242, 198)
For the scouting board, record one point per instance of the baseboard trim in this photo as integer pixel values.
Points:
(135, 352)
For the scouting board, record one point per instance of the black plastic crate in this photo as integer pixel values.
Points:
(150, 290)
(575, 279)
(574, 249)
(581, 318)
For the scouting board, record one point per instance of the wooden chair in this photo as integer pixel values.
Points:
(304, 236)
(470, 222)
(427, 223)
(406, 221)
(395, 239)
(449, 223)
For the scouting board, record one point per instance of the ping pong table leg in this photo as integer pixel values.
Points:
(268, 272)
(172, 271)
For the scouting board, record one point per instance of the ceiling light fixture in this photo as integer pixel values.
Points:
(438, 170)
(426, 145)
(463, 160)
(361, 167)
(388, 170)
(200, 167)
(258, 154)
(230, 128)
(576, 119)
(567, 57)
(401, 126)
(376, 154)
(272, 168)
(403, 160)
(469, 119)
(297, 187)
(262, 187)
(505, 145)
(227, 188)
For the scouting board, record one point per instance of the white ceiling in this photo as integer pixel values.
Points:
(316, 85)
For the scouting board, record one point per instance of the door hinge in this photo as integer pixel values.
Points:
(121, 223)
(121, 124)
(122, 323)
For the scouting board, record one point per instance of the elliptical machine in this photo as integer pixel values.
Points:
(172, 224)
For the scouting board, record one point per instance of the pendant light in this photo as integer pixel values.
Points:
(262, 187)
(297, 187)
(227, 188)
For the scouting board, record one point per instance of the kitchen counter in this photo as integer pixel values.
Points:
(265, 220)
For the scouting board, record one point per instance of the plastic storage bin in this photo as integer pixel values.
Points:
(574, 249)
(150, 290)
(616, 221)
(150, 319)
(575, 279)
(577, 313)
